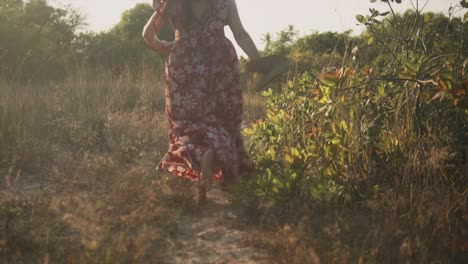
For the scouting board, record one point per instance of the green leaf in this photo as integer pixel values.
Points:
(464, 3)
(271, 153)
(410, 70)
(336, 141)
(465, 17)
(295, 152)
(248, 131)
(361, 19)
(370, 40)
(294, 176)
(405, 75)
(267, 93)
(327, 82)
(381, 90)
(344, 126)
(374, 12)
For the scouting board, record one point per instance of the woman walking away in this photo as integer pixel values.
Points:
(203, 92)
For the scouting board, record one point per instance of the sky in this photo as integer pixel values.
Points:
(265, 16)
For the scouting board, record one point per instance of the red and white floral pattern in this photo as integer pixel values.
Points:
(203, 97)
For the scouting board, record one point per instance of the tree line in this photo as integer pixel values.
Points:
(39, 42)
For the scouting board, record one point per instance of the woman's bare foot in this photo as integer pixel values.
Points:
(206, 175)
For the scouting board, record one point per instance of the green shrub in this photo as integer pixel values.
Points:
(337, 134)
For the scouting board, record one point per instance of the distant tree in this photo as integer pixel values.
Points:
(313, 51)
(36, 39)
(430, 33)
(123, 46)
(39, 42)
(281, 45)
(132, 22)
(326, 42)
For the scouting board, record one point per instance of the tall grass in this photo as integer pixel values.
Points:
(77, 162)
(77, 167)
(38, 119)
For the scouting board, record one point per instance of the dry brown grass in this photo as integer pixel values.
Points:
(418, 214)
(430, 228)
(77, 166)
(77, 161)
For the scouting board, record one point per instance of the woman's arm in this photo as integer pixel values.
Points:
(240, 34)
(152, 28)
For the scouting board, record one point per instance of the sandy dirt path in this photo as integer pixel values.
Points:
(214, 233)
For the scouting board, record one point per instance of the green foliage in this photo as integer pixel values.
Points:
(322, 50)
(37, 40)
(282, 44)
(41, 43)
(334, 134)
(303, 49)
(315, 51)
(123, 46)
(315, 141)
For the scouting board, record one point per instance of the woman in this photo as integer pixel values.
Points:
(203, 92)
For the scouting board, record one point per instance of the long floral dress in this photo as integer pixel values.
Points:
(203, 97)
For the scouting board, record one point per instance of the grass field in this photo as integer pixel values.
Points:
(78, 185)
(77, 165)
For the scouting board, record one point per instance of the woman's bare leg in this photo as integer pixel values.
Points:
(206, 175)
